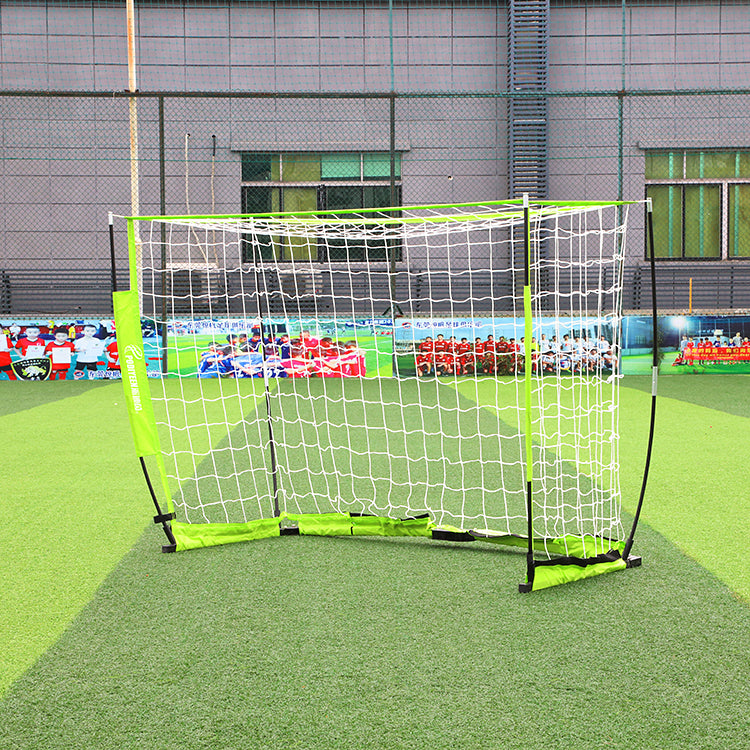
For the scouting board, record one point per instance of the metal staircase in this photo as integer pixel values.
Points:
(528, 37)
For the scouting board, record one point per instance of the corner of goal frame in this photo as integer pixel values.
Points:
(549, 574)
(633, 561)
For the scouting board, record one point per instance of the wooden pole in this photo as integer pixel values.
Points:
(133, 111)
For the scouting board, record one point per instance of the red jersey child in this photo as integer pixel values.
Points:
(455, 356)
(463, 350)
(113, 360)
(31, 345)
(330, 364)
(425, 357)
(514, 347)
(5, 360)
(60, 351)
(310, 345)
(352, 360)
(503, 356)
(326, 348)
(490, 356)
(443, 363)
(441, 345)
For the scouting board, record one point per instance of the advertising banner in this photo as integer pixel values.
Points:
(281, 348)
(497, 346)
(88, 349)
(688, 344)
(84, 349)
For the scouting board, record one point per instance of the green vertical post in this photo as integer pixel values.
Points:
(127, 312)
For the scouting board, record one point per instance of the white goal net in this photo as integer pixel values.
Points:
(458, 363)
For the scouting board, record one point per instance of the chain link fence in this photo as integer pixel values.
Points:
(67, 164)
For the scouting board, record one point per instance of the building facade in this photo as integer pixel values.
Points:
(264, 106)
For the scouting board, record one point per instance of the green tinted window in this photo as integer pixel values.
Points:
(309, 192)
(702, 221)
(667, 216)
(260, 167)
(260, 200)
(378, 166)
(710, 164)
(301, 167)
(663, 164)
(344, 196)
(739, 221)
(340, 167)
(300, 199)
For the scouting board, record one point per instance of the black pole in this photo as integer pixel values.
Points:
(269, 412)
(162, 518)
(112, 265)
(390, 250)
(163, 212)
(654, 376)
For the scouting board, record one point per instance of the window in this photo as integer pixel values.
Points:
(701, 202)
(311, 182)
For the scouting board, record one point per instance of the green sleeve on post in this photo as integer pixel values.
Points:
(546, 576)
(134, 377)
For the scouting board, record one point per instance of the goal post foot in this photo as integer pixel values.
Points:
(547, 573)
(634, 561)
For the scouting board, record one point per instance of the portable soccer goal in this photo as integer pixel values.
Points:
(440, 371)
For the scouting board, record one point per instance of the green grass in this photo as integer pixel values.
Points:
(641, 364)
(697, 492)
(309, 642)
(72, 506)
(335, 452)
(351, 643)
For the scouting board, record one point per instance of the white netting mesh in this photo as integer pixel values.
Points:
(314, 419)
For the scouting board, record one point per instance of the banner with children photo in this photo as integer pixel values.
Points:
(687, 344)
(86, 349)
(438, 347)
(81, 349)
(280, 348)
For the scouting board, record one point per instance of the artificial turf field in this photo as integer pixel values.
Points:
(314, 642)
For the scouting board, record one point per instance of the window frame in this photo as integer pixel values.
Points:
(320, 186)
(725, 184)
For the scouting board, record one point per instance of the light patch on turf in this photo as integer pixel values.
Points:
(697, 486)
(697, 493)
(73, 505)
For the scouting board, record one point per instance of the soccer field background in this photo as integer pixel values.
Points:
(351, 643)
(641, 364)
